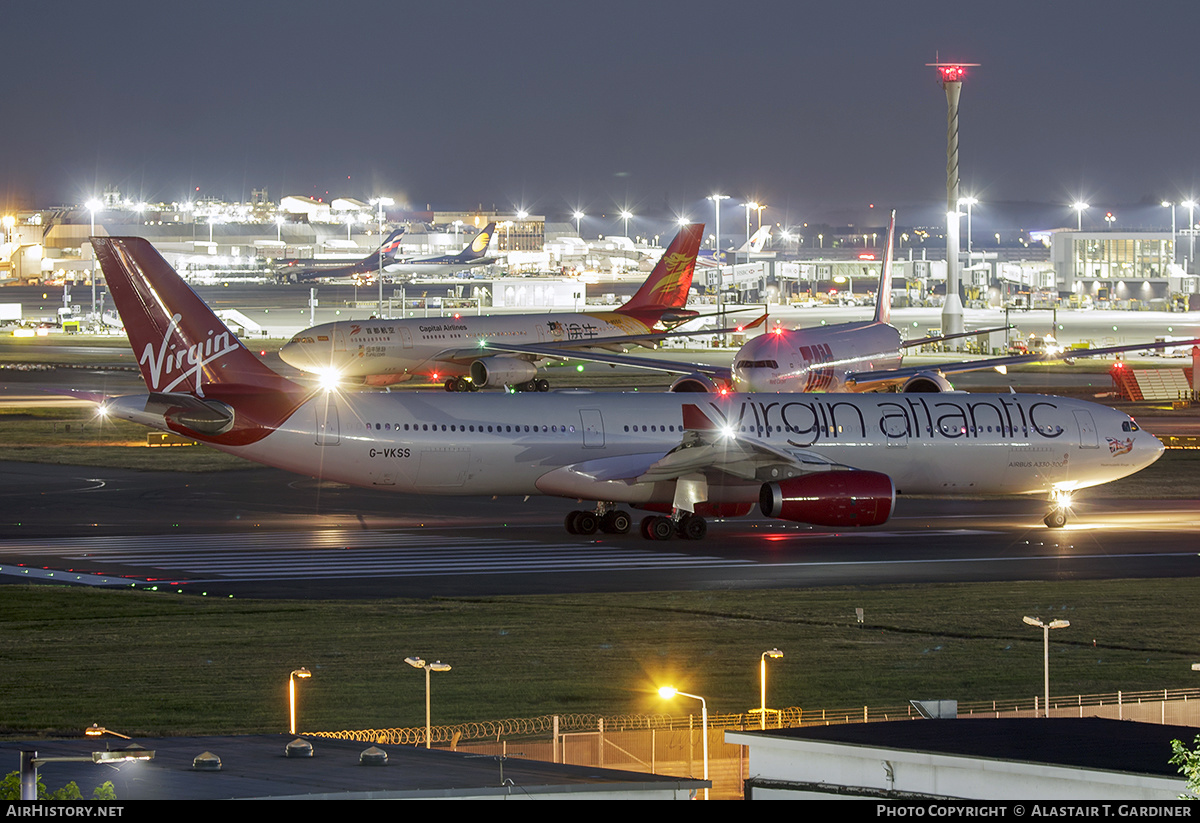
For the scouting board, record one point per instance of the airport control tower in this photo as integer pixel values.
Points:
(952, 309)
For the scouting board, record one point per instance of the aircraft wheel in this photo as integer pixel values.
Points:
(462, 384)
(1056, 519)
(450, 385)
(693, 527)
(586, 522)
(616, 522)
(541, 384)
(655, 527)
(569, 522)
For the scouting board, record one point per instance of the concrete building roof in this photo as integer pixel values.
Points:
(256, 767)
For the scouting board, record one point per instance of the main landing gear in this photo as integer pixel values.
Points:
(610, 521)
(687, 527)
(1057, 518)
(540, 384)
(460, 384)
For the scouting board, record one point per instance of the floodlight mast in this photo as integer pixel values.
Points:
(952, 310)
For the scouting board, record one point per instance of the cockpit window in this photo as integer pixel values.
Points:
(757, 364)
(1129, 426)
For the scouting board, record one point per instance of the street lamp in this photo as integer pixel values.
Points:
(762, 685)
(1109, 219)
(969, 202)
(1165, 204)
(1191, 207)
(1046, 627)
(717, 198)
(749, 207)
(1080, 207)
(93, 206)
(437, 666)
(625, 215)
(666, 693)
(578, 216)
(302, 673)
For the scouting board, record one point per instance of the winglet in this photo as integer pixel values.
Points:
(883, 299)
(668, 285)
(754, 324)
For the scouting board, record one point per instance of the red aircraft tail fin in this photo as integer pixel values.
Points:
(181, 345)
(668, 285)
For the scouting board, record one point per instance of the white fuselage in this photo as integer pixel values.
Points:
(815, 359)
(434, 347)
(575, 444)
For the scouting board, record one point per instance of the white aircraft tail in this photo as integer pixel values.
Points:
(757, 241)
(883, 298)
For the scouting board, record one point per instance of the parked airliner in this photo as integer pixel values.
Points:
(830, 460)
(369, 265)
(861, 356)
(473, 254)
(453, 349)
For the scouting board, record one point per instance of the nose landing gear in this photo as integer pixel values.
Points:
(1057, 518)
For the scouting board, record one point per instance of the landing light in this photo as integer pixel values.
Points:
(328, 379)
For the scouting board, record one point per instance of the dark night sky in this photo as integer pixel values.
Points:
(811, 108)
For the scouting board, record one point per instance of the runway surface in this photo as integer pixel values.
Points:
(265, 533)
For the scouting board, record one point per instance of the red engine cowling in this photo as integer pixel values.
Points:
(832, 498)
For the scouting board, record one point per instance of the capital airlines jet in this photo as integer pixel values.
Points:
(847, 357)
(831, 460)
(369, 265)
(450, 348)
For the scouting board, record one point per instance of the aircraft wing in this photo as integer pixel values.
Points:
(707, 453)
(552, 351)
(867, 381)
(941, 338)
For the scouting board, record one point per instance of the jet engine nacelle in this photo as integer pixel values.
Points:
(927, 382)
(696, 383)
(501, 371)
(831, 498)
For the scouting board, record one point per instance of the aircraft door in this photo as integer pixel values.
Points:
(339, 338)
(1087, 430)
(406, 337)
(593, 428)
(327, 427)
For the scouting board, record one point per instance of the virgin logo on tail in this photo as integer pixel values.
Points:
(175, 358)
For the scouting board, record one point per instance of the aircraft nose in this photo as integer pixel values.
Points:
(300, 354)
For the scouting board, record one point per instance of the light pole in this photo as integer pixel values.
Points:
(1046, 627)
(302, 673)
(969, 202)
(436, 666)
(1172, 205)
(578, 216)
(1191, 207)
(666, 693)
(762, 685)
(625, 215)
(1080, 207)
(1109, 219)
(717, 198)
(749, 207)
(93, 206)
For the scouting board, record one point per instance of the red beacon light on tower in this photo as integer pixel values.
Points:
(952, 72)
